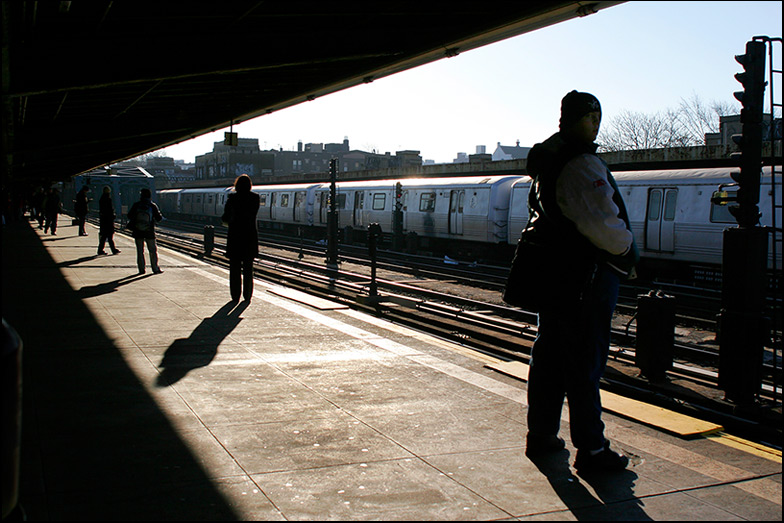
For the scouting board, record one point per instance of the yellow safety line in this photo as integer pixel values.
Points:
(664, 419)
(750, 447)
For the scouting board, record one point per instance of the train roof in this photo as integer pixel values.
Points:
(681, 175)
(287, 187)
(424, 182)
(197, 189)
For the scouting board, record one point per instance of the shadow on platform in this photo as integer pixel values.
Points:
(95, 445)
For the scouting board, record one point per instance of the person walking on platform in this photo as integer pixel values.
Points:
(38, 206)
(106, 216)
(242, 243)
(81, 208)
(574, 202)
(52, 207)
(141, 222)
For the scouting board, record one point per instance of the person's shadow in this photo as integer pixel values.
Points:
(200, 348)
(616, 500)
(90, 291)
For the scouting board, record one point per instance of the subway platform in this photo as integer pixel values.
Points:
(154, 397)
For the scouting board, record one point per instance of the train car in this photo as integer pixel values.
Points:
(468, 210)
(169, 202)
(674, 222)
(358, 204)
(518, 209)
(286, 207)
(204, 204)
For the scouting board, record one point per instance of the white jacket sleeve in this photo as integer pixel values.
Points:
(584, 196)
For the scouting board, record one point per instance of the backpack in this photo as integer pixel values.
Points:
(142, 220)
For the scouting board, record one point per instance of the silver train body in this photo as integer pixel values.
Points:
(671, 213)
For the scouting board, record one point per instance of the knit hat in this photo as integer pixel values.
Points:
(575, 105)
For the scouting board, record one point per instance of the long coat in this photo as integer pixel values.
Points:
(242, 241)
(106, 214)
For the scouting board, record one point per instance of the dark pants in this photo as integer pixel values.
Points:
(241, 277)
(81, 219)
(51, 223)
(152, 246)
(106, 236)
(568, 359)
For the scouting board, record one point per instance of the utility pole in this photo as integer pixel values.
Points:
(332, 217)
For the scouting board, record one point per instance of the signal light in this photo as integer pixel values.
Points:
(398, 190)
(750, 141)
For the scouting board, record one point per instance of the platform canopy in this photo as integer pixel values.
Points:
(88, 82)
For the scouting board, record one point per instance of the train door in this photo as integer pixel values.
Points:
(660, 225)
(299, 206)
(324, 206)
(359, 205)
(456, 199)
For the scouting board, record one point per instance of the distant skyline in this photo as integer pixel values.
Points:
(641, 57)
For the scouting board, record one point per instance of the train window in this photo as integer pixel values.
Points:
(669, 204)
(341, 201)
(379, 201)
(209, 199)
(427, 202)
(654, 205)
(284, 200)
(198, 198)
(299, 198)
(263, 200)
(721, 213)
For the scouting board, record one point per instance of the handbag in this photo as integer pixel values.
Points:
(544, 275)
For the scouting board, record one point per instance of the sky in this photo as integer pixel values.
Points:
(642, 57)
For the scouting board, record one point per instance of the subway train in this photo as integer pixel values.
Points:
(674, 222)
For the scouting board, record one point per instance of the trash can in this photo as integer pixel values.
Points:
(655, 334)
(209, 239)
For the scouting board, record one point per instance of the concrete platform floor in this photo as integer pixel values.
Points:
(152, 397)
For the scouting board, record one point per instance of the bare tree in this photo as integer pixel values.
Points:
(632, 131)
(682, 127)
(699, 118)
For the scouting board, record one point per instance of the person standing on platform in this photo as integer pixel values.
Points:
(575, 202)
(81, 208)
(106, 216)
(242, 243)
(52, 207)
(141, 221)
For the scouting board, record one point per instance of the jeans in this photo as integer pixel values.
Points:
(568, 359)
(152, 247)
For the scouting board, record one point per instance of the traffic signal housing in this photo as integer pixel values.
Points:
(750, 141)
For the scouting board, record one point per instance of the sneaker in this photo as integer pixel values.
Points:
(116, 251)
(605, 461)
(537, 445)
(101, 252)
(157, 271)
